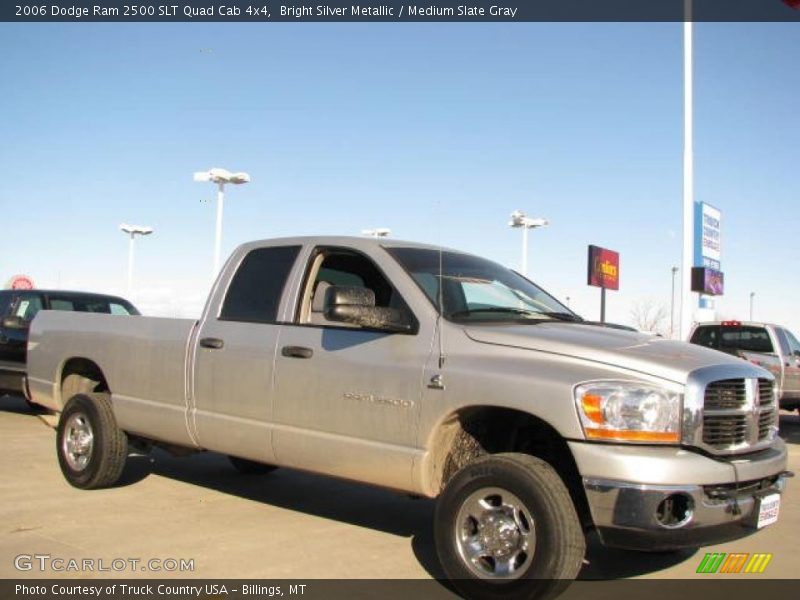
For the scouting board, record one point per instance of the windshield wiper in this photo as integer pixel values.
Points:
(564, 316)
(500, 309)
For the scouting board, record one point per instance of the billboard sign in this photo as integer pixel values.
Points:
(707, 238)
(19, 282)
(708, 281)
(603, 268)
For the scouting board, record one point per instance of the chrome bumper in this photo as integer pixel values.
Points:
(650, 498)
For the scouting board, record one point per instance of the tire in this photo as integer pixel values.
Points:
(527, 540)
(250, 467)
(91, 448)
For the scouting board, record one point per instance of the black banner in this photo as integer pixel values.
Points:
(708, 587)
(509, 11)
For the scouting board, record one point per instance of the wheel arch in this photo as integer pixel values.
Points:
(473, 431)
(89, 373)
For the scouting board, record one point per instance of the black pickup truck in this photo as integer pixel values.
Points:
(17, 309)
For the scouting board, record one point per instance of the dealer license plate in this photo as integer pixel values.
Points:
(768, 509)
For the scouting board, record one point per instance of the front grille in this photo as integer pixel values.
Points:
(728, 393)
(721, 431)
(766, 422)
(766, 392)
(738, 414)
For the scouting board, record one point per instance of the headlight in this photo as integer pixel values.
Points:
(629, 411)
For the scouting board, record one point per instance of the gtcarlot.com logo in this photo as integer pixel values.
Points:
(721, 562)
(46, 562)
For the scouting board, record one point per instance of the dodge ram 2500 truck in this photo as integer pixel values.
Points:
(437, 373)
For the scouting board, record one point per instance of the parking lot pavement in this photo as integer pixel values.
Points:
(285, 524)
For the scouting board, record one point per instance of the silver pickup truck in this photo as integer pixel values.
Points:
(772, 347)
(437, 373)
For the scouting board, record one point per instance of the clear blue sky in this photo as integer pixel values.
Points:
(437, 131)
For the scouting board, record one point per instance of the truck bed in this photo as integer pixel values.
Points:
(143, 359)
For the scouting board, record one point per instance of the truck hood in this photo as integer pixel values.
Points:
(648, 354)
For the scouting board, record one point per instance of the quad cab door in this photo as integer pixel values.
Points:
(347, 398)
(234, 354)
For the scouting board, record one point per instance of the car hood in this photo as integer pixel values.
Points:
(644, 353)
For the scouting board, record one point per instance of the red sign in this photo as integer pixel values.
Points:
(20, 282)
(603, 268)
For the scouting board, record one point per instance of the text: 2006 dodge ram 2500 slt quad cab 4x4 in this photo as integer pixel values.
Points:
(332, 355)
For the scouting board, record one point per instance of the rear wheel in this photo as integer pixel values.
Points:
(506, 527)
(91, 448)
(250, 467)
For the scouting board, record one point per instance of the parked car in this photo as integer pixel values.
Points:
(436, 373)
(772, 347)
(17, 310)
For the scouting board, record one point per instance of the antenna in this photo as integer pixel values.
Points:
(440, 302)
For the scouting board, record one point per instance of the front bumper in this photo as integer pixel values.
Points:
(717, 502)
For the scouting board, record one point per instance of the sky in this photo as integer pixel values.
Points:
(436, 131)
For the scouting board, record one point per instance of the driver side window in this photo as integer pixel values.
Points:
(335, 267)
(794, 345)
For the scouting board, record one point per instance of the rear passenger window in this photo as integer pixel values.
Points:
(706, 336)
(255, 291)
(61, 304)
(749, 339)
(118, 309)
(27, 306)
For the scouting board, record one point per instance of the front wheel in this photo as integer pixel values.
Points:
(91, 448)
(506, 527)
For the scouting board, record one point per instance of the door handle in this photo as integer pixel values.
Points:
(297, 352)
(212, 343)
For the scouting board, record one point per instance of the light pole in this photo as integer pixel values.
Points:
(378, 232)
(220, 177)
(672, 306)
(752, 295)
(132, 231)
(688, 173)
(518, 219)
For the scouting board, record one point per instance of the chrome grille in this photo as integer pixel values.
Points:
(768, 416)
(721, 431)
(766, 421)
(766, 392)
(728, 393)
(738, 414)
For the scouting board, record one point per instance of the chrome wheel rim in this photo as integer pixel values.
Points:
(495, 534)
(78, 442)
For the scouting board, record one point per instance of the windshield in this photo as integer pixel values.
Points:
(476, 289)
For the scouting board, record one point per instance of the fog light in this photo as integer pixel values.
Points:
(675, 511)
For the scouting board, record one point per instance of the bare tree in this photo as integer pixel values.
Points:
(649, 315)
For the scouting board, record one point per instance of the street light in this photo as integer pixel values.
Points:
(133, 231)
(518, 219)
(220, 177)
(377, 233)
(687, 297)
(752, 294)
(672, 306)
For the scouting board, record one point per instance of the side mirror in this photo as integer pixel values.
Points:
(356, 305)
(15, 323)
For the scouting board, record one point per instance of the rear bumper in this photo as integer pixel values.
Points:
(716, 501)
